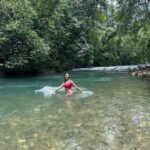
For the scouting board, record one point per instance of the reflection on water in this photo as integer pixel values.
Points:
(115, 117)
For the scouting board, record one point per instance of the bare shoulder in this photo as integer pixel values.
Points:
(71, 81)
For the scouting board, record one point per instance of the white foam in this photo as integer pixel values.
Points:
(48, 91)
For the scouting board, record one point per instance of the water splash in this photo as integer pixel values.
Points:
(48, 91)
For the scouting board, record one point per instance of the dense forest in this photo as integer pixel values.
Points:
(45, 35)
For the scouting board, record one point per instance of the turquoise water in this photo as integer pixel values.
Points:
(113, 113)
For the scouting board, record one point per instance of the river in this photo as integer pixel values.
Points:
(112, 113)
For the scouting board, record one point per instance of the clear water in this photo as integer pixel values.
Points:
(116, 116)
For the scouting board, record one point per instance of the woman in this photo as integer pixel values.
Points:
(67, 84)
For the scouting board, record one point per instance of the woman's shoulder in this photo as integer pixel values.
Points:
(71, 81)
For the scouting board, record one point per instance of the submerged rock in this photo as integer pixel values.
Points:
(21, 141)
(72, 144)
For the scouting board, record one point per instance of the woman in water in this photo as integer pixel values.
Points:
(67, 84)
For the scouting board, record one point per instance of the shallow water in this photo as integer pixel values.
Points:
(116, 116)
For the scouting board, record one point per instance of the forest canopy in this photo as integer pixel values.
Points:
(38, 35)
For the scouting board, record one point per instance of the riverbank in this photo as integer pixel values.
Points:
(126, 68)
(141, 72)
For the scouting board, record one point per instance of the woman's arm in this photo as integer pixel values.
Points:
(59, 87)
(76, 86)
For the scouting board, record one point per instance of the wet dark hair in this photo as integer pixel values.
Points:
(64, 76)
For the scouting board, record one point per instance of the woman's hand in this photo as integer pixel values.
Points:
(80, 91)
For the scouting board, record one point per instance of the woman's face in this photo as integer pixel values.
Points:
(66, 76)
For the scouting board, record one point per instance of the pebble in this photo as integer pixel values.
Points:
(35, 135)
(21, 140)
(25, 146)
(7, 137)
(77, 125)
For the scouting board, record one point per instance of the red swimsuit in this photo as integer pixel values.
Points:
(67, 85)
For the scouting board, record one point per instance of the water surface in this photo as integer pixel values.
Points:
(116, 116)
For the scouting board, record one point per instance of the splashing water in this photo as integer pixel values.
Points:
(48, 91)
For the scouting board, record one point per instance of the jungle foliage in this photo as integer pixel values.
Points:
(38, 35)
